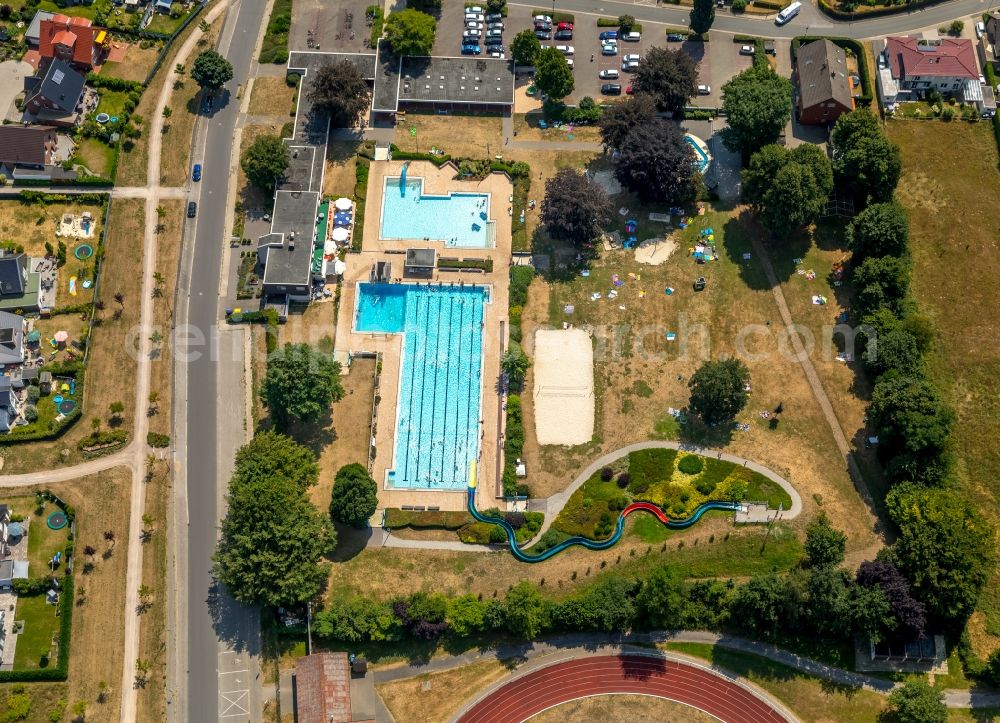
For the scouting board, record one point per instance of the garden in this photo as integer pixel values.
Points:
(677, 482)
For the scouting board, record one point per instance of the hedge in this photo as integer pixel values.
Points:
(397, 519)
(157, 440)
(855, 47)
(863, 14)
(557, 16)
(613, 23)
(361, 169)
(111, 83)
(771, 4)
(97, 438)
(95, 199)
(484, 264)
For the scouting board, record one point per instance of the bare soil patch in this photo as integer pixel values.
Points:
(467, 137)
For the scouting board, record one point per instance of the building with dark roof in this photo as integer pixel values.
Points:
(463, 83)
(56, 94)
(26, 147)
(824, 88)
(10, 410)
(72, 39)
(11, 338)
(33, 32)
(13, 274)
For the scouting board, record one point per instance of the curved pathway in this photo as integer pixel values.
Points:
(646, 673)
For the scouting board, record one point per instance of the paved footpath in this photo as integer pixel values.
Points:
(580, 645)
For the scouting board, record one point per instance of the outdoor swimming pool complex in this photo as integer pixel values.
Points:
(458, 219)
(438, 408)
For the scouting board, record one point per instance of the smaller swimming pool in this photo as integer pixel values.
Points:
(458, 219)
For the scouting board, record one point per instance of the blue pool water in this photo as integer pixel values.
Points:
(703, 159)
(457, 219)
(437, 429)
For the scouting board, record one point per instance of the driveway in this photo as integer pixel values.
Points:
(12, 75)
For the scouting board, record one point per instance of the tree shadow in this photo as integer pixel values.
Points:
(642, 667)
(351, 542)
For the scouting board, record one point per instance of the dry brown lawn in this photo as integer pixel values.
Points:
(633, 708)
(185, 104)
(437, 696)
(132, 164)
(168, 249)
(111, 365)
(468, 137)
(102, 503)
(271, 96)
(152, 629)
(33, 225)
(341, 162)
(527, 129)
(45, 698)
(136, 64)
(632, 353)
(544, 165)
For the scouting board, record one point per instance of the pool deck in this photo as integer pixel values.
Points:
(495, 332)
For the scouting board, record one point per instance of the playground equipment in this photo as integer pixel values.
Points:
(584, 541)
(83, 251)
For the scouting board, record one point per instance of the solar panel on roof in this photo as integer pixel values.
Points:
(57, 77)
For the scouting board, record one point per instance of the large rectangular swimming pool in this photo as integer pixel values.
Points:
(458, 219)
(437, 412)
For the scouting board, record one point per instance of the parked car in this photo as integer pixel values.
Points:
(609, 35)
(478, 17)
(471, 49)
(494, 25)
(543, 35)
(192, 209)
(494, 18)
(543, 18)
(474, 9)
(206, 107)
(473, 25)
(704, 90)
(675, 37)
(495, 40)
(611, 89)
(609, 74)
(569, 62)
(494, 33)
(566, 49)
(630, 66)
(746, 50)
(496, 51)
(609, 49)
(632, 37)
(564, 35)
(631, 58)
(980, 29)
(564, 26)
(539, 25)
(196, 173)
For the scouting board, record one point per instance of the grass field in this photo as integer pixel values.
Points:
(34, 645)
(96, 155)
(633, 708)
(272, 96)
(47, 699)
(152, 628)
(480, 136)
(136, 64)
(444, 693)
(952, 200)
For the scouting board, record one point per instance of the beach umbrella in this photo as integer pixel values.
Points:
(330, 247)
(343, 204)
(339, 267)
(61, 336)
(339, 234)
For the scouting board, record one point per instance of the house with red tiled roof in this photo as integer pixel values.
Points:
(909, 67)
(73, 40)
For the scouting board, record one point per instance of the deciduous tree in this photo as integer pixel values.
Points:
(618, 119)
(864, 159)
(758, 104)
(265, 161)
(662, 598)
(211, 70)
(339, 90)
(702, 16)
(354, 496)
(825, 545)
(909, 614)
(881, 229)
(575, 208)
(916, 701)
(525, 48)
(553, 75)
(658, 164)
(410, 32)
(301, 383)
(525, 610)
(881, 281)
(719, 390)
(669, 76)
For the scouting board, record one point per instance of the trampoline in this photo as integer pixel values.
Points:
(83, 251)
(102, 118)
(66, 406)
(57, 520)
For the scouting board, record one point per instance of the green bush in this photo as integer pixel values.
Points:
(157, 440)
(649, 466)
(520, 279)
(690, 464)
(397, 519)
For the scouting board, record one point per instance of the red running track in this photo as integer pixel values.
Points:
(631, 674)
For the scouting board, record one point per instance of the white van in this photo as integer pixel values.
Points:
(788, 13)
(632, 37)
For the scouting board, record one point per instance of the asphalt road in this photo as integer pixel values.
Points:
(809, 21)
(214, 622)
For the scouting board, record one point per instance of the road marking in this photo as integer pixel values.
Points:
(227, 704)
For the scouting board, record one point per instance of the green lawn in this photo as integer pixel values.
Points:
(163, 23)
(95, 154)
(43, 542)
(112, 102)
(40, 625)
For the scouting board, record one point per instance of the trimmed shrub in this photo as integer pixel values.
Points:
(691, 464)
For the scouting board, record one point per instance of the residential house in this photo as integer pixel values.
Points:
(20, 288)
(74, 40)
(56, 95)
(988, 46)
(10, 405)
(11, 338)
(34, 30)
(25, 147)
(909, 68)
(162, 6)
(824, 85)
